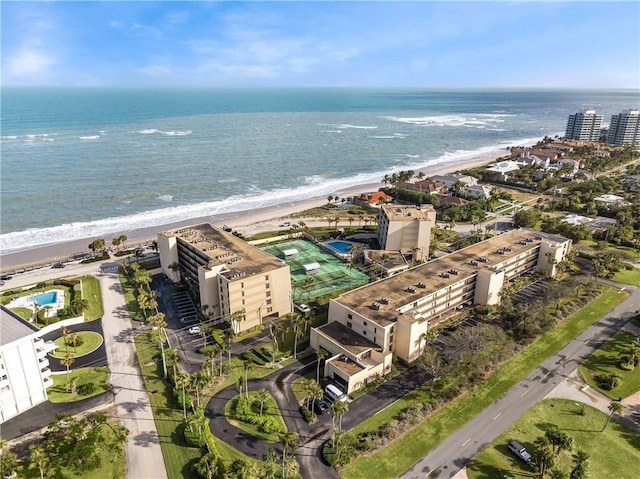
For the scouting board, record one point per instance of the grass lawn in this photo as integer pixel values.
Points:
(24, 313)
(92, 293)
(631, 253)
(403, 453)
(606, 360)
(619, 459)
(298, 388)
(89, 342)
(630, 277)
(178, 455)
(58, 392)
(270, 409)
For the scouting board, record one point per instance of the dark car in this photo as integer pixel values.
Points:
(320, 406)
(5, 277)
(58, 265)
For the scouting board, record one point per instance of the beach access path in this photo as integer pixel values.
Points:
(143, 454)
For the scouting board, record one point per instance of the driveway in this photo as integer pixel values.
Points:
(94, 359)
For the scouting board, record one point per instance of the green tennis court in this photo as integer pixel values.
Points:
(327, 273)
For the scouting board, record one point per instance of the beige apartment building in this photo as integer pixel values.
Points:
(368, 325)
(406, 229)
(232, 276)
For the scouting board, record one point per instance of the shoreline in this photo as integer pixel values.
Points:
(246, 222)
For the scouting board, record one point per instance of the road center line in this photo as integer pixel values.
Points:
(524, 394)
(497, 416)
(466, 442)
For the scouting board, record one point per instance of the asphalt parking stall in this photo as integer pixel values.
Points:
(531, 292)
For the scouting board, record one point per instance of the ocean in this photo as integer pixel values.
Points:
(86, 162)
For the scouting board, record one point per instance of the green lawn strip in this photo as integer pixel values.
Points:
(402, 454)
(298, 388)
(90, 342)
(606, 360)
(24, 313)
(130, 298)
(178, 455)
(619, 459)
(270, 409)
(92, 293)
(58, 392)
(630, 277)
(112, 465)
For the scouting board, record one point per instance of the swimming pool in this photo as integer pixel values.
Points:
(43, 299)
(342, 247)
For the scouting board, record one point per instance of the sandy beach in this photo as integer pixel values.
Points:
(247, 222)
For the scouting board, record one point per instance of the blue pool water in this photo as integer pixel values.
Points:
(45, 298)
(340, 246)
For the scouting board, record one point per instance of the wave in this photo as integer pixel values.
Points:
(92, 137)
(462, 119)
(386, 137)
(346, 126)
(166, 197)
(256, 197)
(153, 131)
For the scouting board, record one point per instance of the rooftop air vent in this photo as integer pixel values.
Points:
(453, 271)
(538, 237)
(384, 300)
(375, 306)
(473, 262)
(411, 289)
(422, 285)
(444, 275)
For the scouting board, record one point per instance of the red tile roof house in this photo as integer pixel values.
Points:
(373, 199)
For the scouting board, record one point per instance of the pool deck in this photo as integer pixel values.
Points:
(28, 302)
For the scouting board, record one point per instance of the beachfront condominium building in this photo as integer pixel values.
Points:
(624, 129)
(369, 325)
(584, 125)
(406, 229)
(24, 367)
(236, 281)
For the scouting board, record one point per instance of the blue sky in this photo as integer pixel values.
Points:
(243, 44)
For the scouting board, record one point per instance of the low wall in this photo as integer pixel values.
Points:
(61, 324)
(276, 239)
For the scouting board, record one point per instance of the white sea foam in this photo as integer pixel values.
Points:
(91, 137)
(166, 197)
(314, 186)
(227, 180)
(333, 131)
(149, 131)
(176, 133)
(386, 137)
(468, 120)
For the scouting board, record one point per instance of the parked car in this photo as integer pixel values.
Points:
(194, 330)
(303, 308)
(520, 451)
(58, 265)
(5, 277)
(320, 406)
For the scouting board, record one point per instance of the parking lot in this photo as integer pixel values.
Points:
(531, 292)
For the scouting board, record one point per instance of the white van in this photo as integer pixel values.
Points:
(334, 394)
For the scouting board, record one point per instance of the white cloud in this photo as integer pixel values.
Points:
(29, 61)
(115, 24)
(176, 18)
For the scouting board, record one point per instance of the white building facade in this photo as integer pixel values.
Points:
(624, 129)
(24, 367)
(584, 125)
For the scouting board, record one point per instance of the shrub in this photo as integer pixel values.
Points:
(608, 381)
(309, 415)
(196, 429)
(86, 389)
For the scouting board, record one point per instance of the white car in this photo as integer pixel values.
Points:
(194, 330)
(303, 308)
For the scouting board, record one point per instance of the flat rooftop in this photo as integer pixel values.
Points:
(347, 338)
(222, 248)
(13, 327)
(394, 292)
(348, 367)
(406, 213)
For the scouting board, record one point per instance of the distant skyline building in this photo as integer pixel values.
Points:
(584, 125)
(624, 129)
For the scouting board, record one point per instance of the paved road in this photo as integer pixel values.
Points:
(461, 446)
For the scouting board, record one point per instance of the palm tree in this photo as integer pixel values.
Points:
(320, 355)
(207, 466)
(122, 239)
(158, 324)
(182, 381)
(314, 392)
(338, 408)
(297, 323)
(580, 465)
(544, 455)
(115, 242)
(74, 339)
(175, 268)
(39, 459)
(614, 408)
(329, 199)
(236, 318)
(262, 396)
(67, 361)
(290, 441)
(247, 368)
